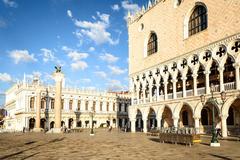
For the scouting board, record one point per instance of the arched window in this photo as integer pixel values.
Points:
(70, 104)
(79, 105)
(32, 102)
(101, 106)
(94, 105)
(62, 103)
(152, 44)
(52, 103)
(86, 105)
(107, 106)
(42, 103)
(198, 20)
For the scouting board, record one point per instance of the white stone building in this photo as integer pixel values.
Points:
(177, 49)
(109, 108)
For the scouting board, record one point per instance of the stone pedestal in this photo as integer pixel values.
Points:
(215, 144)
(57, 130)
(58, 77)
(37, 130)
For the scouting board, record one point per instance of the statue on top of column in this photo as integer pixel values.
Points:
(58, 69)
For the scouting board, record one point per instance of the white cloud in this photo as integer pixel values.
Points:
(69, 13)
(47, 54)
(104, 17)
(129, 7)
(96, 31)
(90, 88)
(85, 80)
(10, 3)
(91, 49)
(2, 24)
(79, 65)
(5, 77)
(108, 58)
(22, 55)
(101, 74)
(115, 85)
(74, 54)
(115, 7)
(116, 70)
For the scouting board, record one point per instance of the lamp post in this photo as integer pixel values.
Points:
(91, 114)
(213, 101)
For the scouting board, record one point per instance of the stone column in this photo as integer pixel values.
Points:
(184, 86)
(220, 69)
(224, 125)
(195, 85)
(133, 128)
(58, 77)
(237, 75)
(132, 97)
(150, 91)
(207, 88)
(38, 111)
(157, 91)
(123, 122)
(196, 120)
(139, 123)
(165, 91)
(138, 95)
(175, 122)
(174, 82)
(145, 125)
(144, 94)
(159, 119)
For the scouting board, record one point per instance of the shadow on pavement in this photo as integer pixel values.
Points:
(30, 155)
(28, 143)
(155, 139)
(218, 156)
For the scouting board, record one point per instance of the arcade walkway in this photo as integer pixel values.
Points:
(105, 145)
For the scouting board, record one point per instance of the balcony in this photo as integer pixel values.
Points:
(179, 95)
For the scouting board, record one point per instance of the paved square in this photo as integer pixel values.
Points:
(106, 145)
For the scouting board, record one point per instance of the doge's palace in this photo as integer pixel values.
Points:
(177, 51)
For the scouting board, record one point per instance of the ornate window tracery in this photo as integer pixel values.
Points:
(152, 44)
(198, 20)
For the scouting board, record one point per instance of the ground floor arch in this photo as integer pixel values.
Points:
(139, 121)
(152, 119)
(52, 124)
(31, 123)
(70, 123)
(43, 123)
(186, 117)
(167, 120)
(206, 119)
(233, 119)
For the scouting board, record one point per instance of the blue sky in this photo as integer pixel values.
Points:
(88, 38)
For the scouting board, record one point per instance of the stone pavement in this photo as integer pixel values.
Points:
(106, 145)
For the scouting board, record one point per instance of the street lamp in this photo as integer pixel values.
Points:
(91, 114)
(213, 101)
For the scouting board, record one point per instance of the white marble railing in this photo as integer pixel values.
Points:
(201, 91)
(179, 94)
(229, 86)
(161, 97)
(189, 92)
(170, 96)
